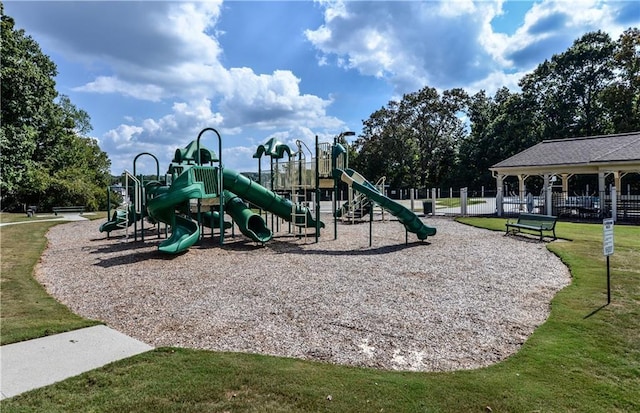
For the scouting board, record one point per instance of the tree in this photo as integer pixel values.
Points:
(568, 89)
(28, 91)
(47, 157)
(433, 122)
(621, 100)
(380, 153)
(413, 142)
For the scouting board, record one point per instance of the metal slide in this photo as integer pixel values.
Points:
(410, 220)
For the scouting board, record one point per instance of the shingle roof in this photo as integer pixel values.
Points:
(576, 151)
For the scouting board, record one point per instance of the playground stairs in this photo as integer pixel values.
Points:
(359, 207)
(125, 207)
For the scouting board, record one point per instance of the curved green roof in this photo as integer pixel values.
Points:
(273, 148)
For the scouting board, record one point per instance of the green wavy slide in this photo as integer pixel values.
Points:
(406, 217)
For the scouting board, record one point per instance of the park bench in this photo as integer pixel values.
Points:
(69, 209)
(533, 222)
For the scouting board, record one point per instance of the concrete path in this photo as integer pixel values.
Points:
(43, 361)
(61, 217)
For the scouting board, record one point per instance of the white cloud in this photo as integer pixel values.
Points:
(168, 52)
(411, 44)
(452, 43)
(269, 101)
(550, 27)
(109, 84)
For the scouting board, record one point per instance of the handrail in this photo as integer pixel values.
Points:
(220, 178)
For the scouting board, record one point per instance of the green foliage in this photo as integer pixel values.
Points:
(568, 89)
(412, 142)
(47, 159)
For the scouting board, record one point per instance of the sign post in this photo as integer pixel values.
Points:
(607, 249)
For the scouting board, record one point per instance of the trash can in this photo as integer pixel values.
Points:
(427, 206)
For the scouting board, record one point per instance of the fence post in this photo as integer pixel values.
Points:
(412, 197)
(463, 201)
(614, 203)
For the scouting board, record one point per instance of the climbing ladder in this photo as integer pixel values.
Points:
(125, 205)
(301, 180)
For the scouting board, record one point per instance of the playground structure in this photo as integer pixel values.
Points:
(197, 191)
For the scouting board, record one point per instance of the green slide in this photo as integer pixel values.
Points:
(210, 219)
(119, 219)
(266, 199)
(410, 220)
(184, 231)
(251, 224)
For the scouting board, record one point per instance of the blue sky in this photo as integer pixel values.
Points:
(153, 74)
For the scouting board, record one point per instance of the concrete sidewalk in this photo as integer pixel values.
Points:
(40, 362)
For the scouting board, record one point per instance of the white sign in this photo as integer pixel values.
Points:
(607, 236)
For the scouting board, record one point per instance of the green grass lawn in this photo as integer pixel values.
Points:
(456, 202)
(585, 358)
(27, 310)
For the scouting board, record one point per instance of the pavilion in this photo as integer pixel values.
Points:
(617, 155)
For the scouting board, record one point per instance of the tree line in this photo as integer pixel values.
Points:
(450, 138)
(47, 157)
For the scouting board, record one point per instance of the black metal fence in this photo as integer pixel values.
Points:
(572, 207)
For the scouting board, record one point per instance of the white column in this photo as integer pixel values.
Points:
(463, 201)
(565, 182)
(601, 186)
(547, 194)
(616, 180)
(614, 203)
(521, 186)
(499, 192)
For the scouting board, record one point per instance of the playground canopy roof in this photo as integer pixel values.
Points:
(587, 155)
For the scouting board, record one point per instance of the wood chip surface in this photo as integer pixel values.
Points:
(464, 299)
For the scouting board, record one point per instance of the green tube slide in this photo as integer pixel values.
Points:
(251, 224)
(210, 219)
(406, 217)
(266, 199)
(184, 231)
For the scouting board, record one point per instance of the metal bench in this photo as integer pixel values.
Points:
(533, 222)
(77, 208)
